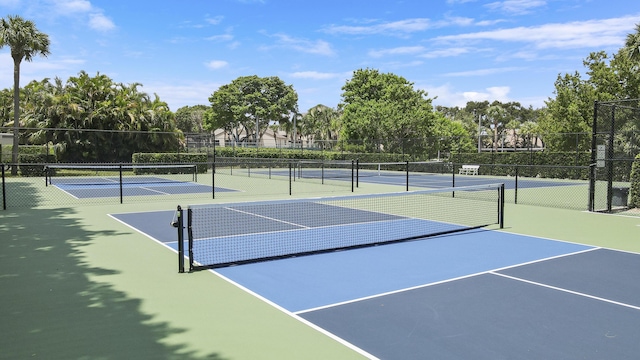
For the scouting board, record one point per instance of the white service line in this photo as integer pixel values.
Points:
(567, 291)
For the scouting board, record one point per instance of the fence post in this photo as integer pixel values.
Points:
(4, 190)
(120, 168)
(516, 185)
(592, 164)
(179, 224)
(407, 175)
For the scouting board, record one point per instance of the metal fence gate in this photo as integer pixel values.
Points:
(614, 145)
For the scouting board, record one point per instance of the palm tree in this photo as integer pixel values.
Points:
(632, 45)
(25, 42)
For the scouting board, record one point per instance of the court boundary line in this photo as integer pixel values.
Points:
(152, 190)
(66, 192)
(267, 217)
(444, 281)
(565, 290)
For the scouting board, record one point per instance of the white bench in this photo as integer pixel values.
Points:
(469, 170)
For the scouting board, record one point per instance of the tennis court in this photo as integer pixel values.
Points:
(482, 293)
(91, 181)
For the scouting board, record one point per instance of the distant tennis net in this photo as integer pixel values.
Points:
(226, 234)
(118, 174)
(357, 169)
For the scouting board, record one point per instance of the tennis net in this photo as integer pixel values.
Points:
(226, 234)
(117, 174)
(357, 169)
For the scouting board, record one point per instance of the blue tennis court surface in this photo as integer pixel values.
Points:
(99, 187)
(479, 294)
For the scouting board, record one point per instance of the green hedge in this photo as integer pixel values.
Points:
(557, 165)
(38, 161)
(634, 191)
(200, 159)
(6, 151)
(525, 158)
(298, 154)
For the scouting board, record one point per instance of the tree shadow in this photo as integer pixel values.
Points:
(51, 308)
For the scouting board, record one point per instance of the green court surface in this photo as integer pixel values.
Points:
(76, 284)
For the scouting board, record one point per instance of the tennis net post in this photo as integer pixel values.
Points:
(179, 224)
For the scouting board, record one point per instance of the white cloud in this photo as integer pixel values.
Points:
(216, 64)
(68, 7)
(99, 22)
(395, 27)
(447, 96)
(500, 93)
(578, 34)
(421, 51)
(214, 20)
(454, 51)
(317, 47)
(516, 7)
(223, 37)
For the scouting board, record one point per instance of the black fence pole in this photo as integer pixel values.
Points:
(407, 174)
(357, 173)
(179, 224)
(213, 180)
(120, 167)
(453, 175)
(501, 206)
(190, 237)
(516, 186)
(609, 157)
(592, 165)
(289, 178)
(353, 164)
(4, 190)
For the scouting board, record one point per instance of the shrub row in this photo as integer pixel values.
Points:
(298, 154)
(38, 161)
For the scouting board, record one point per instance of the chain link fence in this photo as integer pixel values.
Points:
(615, 144)
(522, 161)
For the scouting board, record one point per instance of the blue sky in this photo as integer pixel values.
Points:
(457, 50)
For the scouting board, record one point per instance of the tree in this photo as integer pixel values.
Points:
(190, 119)
(25, 42)
(249, 104)
(383, 111)
(567, 115)
(95, 119)
(321, 123)
(632, 46)
(498, 119)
